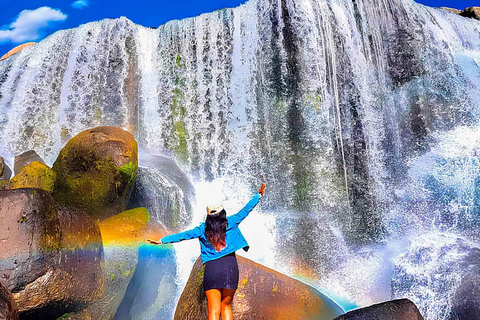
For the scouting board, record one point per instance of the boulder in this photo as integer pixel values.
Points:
(471, 12)
(165, 190)
(5, 172)
(262, 294)
(24, 159)
(30, 236)
(16, 50)
(50, 256)
(402, 309)
(122, 236)
(34, 175)
(96, 171)
(8, 308)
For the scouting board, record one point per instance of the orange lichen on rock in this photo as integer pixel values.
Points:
(126, 228)
(17, 49)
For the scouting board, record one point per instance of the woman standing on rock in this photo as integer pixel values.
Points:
(219, 238)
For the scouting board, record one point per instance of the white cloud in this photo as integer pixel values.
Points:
(80, 4)
(29, 23)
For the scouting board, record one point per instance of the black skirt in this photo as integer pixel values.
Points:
(221, 273)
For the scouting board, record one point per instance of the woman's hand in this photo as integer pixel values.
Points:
(154, 242)
(262, 189)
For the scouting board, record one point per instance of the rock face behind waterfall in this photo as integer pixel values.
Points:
(402, 309)
(165, 190)
(350, 110)
(262, 294)
(96, 171)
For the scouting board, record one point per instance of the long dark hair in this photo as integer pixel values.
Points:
(216, 228)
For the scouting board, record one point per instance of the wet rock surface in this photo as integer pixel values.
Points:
(8, 308)
(51, 260)
(24, 159)
(402, 309)
(122, 235)
(31, 236)
(5, 171)
(165, 190)
(262, 294)
(466, 301)
(96, 171)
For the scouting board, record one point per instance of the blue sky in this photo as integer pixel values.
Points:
(32, 20)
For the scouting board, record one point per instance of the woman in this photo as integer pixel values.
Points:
(219, 238)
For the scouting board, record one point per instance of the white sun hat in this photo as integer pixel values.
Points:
(214, 207)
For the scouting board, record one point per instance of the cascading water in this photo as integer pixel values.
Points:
(361, 116)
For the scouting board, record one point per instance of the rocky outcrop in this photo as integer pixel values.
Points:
(402, 309)
(34, 175)
(262, 294)
(16, 50)
(96, 171)
(466, 301)
(122, 235)
(5, 172)
(453, 10)
(8, 308)
(471, 12)
(50, 256)
(165, 190)
(24, 159)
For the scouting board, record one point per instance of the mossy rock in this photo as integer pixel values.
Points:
(25, 159)
(96, 171)
(34, 175)
(262, 294)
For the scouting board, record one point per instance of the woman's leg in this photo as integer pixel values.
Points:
(227, 298)
(214, 298)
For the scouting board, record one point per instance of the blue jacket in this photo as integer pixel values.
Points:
(234, 237)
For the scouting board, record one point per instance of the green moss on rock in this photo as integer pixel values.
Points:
(34, 175)
(96, 171)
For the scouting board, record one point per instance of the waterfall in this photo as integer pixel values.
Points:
(355, 113)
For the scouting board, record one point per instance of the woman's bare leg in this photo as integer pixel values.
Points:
(214, 298)
(227, 298)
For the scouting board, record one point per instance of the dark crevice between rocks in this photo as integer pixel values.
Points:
(51, 311)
